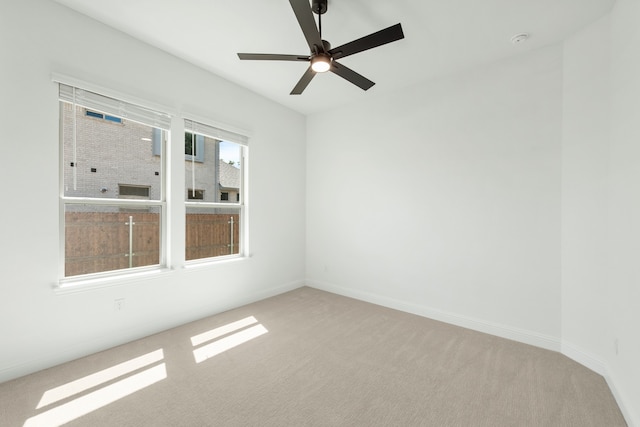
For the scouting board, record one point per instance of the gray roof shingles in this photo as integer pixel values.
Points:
(229, 176)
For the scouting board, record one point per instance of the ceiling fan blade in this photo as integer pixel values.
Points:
(351, 76)
(307, 22)
(272, 57)
(304, 82)
(376, 39)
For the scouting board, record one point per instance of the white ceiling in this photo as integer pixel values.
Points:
(441, 36)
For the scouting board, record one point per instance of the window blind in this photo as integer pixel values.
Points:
(107, 105)
(214, 132)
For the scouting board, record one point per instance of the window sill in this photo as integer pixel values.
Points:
(84, 283)
(208, 262)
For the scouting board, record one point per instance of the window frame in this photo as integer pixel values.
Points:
(125, 203)
(197, 127)
(172, 246)
(242, 214)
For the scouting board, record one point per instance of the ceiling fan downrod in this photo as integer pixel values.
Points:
(319, 6)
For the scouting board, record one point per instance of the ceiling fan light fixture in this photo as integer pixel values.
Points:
(321, 63)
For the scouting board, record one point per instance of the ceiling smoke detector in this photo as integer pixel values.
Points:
(519, 38)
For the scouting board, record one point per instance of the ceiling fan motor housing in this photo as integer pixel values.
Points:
(319, 6)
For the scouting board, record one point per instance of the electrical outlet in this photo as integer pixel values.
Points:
(118, 305)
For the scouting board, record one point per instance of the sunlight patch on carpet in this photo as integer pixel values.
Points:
(69, 389)
(228, 342)
(97, 399)
(222, 330)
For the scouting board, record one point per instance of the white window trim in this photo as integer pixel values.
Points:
(197, 125)
(105, 280)
(168, 247)
(98, 277)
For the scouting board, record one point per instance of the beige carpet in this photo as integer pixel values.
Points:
(311, 358)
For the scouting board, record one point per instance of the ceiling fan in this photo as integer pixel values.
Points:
(322, 57)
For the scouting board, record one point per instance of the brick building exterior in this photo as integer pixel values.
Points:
(131, 166)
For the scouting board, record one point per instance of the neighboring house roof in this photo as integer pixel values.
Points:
(229, 175)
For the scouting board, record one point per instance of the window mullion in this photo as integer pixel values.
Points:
(176, 184)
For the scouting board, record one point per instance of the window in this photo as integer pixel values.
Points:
(194, 147)
(214, 225)
(113, 204)
(133, 191)
(112, 189)
(103, 116)
(195, 194)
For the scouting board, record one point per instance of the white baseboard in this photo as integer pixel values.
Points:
(584, 358)
(527, 337)
(631, 417)
(57, 356)
(504, 331)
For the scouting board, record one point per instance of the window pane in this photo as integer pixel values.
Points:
(94, 114)
(133, 192)
(189, 144)
(109, 152)
(229, 172)
(212, 232)
(193, 194)
(214, 173)
(200, 169)
(101, 238)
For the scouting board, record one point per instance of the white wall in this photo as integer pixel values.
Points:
(39, 327)
(623, 284)
(444, 198)
(519, 200)
(601, 202)
(585, 171)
